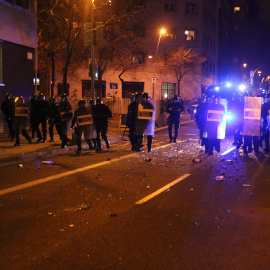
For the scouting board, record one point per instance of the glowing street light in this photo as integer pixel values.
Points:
(245, 65)
(162, 32)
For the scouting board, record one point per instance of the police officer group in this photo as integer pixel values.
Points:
(90, 120)
(251, 126)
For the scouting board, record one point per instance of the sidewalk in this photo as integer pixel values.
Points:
(10, 153)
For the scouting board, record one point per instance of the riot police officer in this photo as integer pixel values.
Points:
(174, 108)
(101, 115)
(145, 124)
(7, 106)
(54, 119)
(20, 120)
(93, 133)
(132, 118)
(83, 122)
(252, 123)
(213, 122)
(42, 110)
(265, 122)
(200, 116)
(65, 111)
(34, 116)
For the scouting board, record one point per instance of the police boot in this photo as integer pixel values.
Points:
(107, 143)
(26, 136)
(64, 141)
(139, 145)
(88, 141)
(17, 137)
(94, 141)
(98, 145)
(149, 143)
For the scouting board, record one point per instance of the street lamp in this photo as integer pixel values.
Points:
(162, 32)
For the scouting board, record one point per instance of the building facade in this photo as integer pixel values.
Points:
(193, 24)
(18, 42)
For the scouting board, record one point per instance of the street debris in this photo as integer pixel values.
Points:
(148, 160)
(71, 225)
(246, 185)
(196, 160)
(220, 178)
(48, 161)
(113, 215)
(20, 166)
(49, 213)
(229, 161)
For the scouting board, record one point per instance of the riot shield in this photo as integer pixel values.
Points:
(252, 116)
(146, 119)
(215, 126)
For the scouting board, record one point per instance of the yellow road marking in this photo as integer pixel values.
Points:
(149, 197)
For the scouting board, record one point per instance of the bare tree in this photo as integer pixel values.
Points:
(182, 61)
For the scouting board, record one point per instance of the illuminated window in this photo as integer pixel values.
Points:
(138, 58)
(169, 35)
(168, 90)
(236, 9)
(189, 35)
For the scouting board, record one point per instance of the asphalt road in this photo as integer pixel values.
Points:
(124, 210)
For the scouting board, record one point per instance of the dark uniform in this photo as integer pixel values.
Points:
(42, 110)
(200, 116)
(101, 115)
(20, 120)
(132, 118)
(83, 123)
(174, 109)
(265, 122)
(34, 116)
(65, 111)
(214, 117)
(145, 124)
(7, 106)
(54, 118)
(252, 123)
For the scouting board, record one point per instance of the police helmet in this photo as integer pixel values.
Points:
(34, 96)
(138, 95)
(91, 101)
(64, 97)
(41, 96)
(52, 99)
(81, 102)
(19, 100)
(8, 96)
(99, 100)
(133, 97)
(175, 97)
(145, 95)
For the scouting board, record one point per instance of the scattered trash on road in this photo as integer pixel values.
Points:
(246, 185)
(148, 159)
(220, 178)
(113, 215)
(20, 166)
(196, 160)
(47, 161)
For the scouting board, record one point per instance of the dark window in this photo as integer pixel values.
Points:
(21, 3)
(1, 63)
(138, 31)
(170, 7)
(191, 9)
